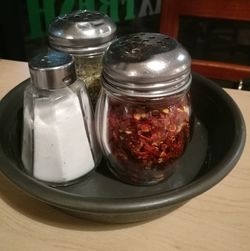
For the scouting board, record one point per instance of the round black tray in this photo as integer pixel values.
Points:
(217, 142)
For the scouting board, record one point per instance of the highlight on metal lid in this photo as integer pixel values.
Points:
(82, 31)
(52, 70)
(150, 64)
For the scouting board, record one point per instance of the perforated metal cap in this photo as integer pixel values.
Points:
(146, 64)
(52, 70)
(82, 32)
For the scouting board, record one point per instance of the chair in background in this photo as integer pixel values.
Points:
(239, 10)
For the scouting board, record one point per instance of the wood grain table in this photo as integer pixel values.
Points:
(216, 220)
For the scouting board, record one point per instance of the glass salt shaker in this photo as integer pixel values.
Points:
(143, 112)
(86, 35)
(59, 144)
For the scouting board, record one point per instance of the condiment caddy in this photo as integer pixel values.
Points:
(143, 124)
(209, 157)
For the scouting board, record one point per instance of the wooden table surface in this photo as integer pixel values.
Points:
(218, 219)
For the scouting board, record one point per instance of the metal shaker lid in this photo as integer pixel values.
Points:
(146, 64)
(82, 32)
(52, 70)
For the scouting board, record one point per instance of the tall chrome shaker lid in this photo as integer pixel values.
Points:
(52, 70)
(82, 32)
(146, 64)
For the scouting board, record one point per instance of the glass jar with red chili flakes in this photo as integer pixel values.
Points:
(143, 112)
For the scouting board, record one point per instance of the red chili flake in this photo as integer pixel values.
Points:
(144, 127)
(148, 137)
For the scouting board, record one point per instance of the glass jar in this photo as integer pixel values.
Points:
(59, 143)
(86, 35)
(143, 112)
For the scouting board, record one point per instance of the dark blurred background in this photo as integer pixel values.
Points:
(24, 24)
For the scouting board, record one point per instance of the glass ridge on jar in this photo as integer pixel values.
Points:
(142, 133)
(86, 35)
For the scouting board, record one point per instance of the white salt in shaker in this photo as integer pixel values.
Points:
(59, 143)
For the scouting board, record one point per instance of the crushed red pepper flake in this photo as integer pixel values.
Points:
(151, 136)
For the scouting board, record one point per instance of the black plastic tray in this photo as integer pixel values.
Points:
(217, 143)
